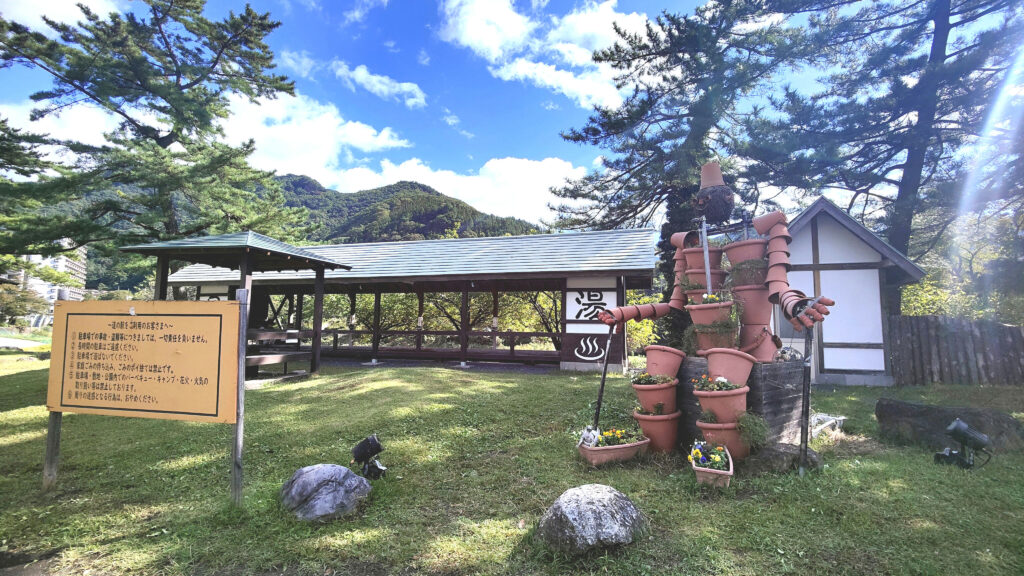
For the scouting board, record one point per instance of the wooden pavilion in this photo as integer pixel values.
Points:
(243, 255)
(589, 270)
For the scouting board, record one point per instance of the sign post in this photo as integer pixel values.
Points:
(166, 360)
(242, 296)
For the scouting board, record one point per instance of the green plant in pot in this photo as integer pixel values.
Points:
(753, 430)
(614, 445)
(711, 463)
(718, 335)
(749, 272)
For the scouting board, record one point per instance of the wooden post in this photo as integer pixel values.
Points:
(52, 462)
(318, 319)
(464, 325)
(163, 263)
(494, 317)
(242, 295)
(376, 324)
(419, 314)
(299, 319)
(351, 316)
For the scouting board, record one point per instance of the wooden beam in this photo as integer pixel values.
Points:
(419, 314)
(494, 316)
(816, 261)
(163, 268)
(236, 446)
(318, 319)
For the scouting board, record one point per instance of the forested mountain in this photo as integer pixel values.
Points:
(400, 211)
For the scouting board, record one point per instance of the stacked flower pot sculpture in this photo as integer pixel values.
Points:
(656, 392)
(759, 269)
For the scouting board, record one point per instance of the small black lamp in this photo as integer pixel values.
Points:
(970, 440)
(364, 453)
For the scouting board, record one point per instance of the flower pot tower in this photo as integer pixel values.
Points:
(761, 264)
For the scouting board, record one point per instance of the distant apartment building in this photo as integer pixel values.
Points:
(71, 263)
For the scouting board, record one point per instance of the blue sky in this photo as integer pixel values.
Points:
(468, 96)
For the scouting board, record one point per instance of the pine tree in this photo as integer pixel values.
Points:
(164, 172)
(910, 85)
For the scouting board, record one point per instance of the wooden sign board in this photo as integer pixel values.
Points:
(169, 360)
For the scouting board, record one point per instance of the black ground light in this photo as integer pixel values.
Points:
(364, 453)
(970, 440)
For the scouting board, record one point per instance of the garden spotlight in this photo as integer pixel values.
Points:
(970, 440)
(364, 454)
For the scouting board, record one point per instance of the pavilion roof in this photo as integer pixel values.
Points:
(224, 251)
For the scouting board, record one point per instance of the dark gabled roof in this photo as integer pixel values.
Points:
(613, 252)
(225, 250)
(912, 271)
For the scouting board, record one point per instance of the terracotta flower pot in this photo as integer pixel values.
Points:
(651, 395)
(754, 305)
(679, 255)
(730, 364)
(764, 223)
(711, 477)
(662, 430)
(695, 257)
(663, 361)
(726, 435)
(780, 231)
(757, 341)
(726, 404)
(708, 340)
(678, 298)
(779, 259)
(745, 250)
(704, 314)
(680, 266)
(776, 290)
(605, 454)
(711, 175)
(780, 244)
(696, 276)
(684, 239)
(749, 276)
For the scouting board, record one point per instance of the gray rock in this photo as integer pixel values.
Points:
(590, 517)
(776, 459)
(324, 492)
(923, 424)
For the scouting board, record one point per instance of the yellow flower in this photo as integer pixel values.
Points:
(690, 458)
(715, 457)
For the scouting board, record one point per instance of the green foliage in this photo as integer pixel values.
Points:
(705, 383)
(645, 379)
(166, 73)
(708, 417)
(640, 335)
(753, 430)
(16, 302)
(619, 436)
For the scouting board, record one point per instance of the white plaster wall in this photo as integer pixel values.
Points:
(854, 359)
(836, 244)
(800, 247)
(857, 315)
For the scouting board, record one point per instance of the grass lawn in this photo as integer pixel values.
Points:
(475, 458)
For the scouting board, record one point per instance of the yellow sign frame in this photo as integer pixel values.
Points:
(146, 359)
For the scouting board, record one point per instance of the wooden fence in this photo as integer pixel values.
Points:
(927, 349)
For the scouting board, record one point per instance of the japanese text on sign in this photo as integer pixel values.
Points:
(175, 360)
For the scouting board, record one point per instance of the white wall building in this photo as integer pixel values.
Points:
(834, 255)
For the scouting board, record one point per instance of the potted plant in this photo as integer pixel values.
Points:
(711, 463)
(712, 308)
(695, 257)
(718, 395)
(744, 250)
(753, 304)
(730, 364)
(654, 390)
(717, 335)
(749, 272)
(661, 428)
(698, 277)
(723, 433)
(753, 430)
(615, 445)
(663, 360)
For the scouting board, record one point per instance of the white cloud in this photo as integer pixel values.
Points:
(450, 118)
(549, 105)
(31, 13)
(391, 46)
(587, 89)
(516, 187)
(361, 8)
(381, 86)
(300, 63)
(490, 28)
(553, 53)
(300, 135)
(423, 58)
